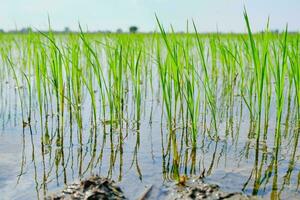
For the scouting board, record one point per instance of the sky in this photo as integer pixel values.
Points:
(208, 15)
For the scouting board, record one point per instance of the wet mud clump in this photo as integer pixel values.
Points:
(93, 188)
(197, 189)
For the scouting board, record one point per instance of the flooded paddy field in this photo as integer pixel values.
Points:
(150, 110)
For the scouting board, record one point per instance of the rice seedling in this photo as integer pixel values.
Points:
(260, 65)
(18, 87)
(295, 72)
(209, 88)
(279, 77)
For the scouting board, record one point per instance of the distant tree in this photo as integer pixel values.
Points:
(119, 30)
(67, 30)
(26, 30)
(133, 29)
(1, 31)
(276, 31)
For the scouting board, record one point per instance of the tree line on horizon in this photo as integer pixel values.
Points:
(132, 29)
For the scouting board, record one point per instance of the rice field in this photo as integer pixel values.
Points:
(149, 109)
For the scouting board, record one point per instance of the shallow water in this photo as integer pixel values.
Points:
(142, 154)
(144, 161)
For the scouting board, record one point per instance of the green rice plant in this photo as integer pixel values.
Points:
(209, 88)
(267, 99)
(192, 97)
(214, 44)
(38, 81)
(88, 82)
(135, 69)
(247, 86)
(191, 93)
(166, 88)
(67, 52)
(77, 82)
(294, 59)
(30, 98)
(56, 79)
(279, 77)
(116, 82)
(18, 86)
(260, 65)
(173, 75)
(97, 69)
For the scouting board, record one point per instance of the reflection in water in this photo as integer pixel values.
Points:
(58, 160)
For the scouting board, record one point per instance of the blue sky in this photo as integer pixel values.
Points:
(209, 15)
